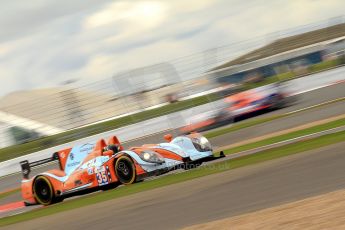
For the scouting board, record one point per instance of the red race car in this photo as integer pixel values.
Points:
(273, 96)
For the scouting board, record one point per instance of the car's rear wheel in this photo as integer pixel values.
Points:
(43, 191)
(125, 170)
(276, 102)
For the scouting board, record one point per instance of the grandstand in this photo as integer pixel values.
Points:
(284, 55)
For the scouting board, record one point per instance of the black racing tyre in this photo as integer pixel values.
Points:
(43, 190)
(125, 170)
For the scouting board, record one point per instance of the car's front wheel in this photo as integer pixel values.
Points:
(125, 170)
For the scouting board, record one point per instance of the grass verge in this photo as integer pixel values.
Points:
(287, 136)
(177, 178)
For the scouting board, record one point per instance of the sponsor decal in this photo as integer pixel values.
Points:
(73, 164)
(99, 169)
(91, 163)
(90, 171)
(86, 148)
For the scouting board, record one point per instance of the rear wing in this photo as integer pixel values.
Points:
(26, 165)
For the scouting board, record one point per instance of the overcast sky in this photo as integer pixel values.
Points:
(46, 42)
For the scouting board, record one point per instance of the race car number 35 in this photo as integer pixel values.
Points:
(102, 178)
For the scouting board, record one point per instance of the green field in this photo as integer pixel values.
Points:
(284, 137)
(177, 178)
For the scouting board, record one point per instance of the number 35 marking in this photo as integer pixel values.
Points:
(102, 178)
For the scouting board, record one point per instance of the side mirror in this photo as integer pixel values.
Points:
(168, 137)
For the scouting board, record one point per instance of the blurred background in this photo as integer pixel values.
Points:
(203, 84)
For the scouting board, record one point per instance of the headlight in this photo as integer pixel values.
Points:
(151, 156)
(202, 144)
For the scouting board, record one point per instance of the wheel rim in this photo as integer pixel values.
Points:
(125, 171)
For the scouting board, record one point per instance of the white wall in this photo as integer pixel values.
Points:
(5, 137)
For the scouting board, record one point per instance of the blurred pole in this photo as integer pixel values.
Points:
(72, 105)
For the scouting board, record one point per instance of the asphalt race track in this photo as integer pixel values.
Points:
(212, 197)
(305, 100)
